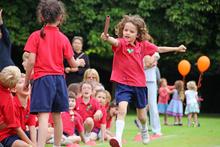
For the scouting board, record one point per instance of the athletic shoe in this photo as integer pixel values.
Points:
(145, 136)
(114, 142)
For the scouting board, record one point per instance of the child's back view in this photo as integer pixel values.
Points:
(175, 107)
(48, 47)
(192, 106)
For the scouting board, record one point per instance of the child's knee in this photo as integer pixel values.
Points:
(89, 121)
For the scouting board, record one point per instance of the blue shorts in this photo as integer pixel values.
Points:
(7, 142)
(49, 94)
(129, 93)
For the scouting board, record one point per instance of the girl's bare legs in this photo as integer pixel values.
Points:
(176, 120)
(20, 143)
(122, 111)
(195, 119)
(165, 119)
(88, 125)
(142, 116)
(189, 119)
(180, 120)
(58, 128)
(42, 129)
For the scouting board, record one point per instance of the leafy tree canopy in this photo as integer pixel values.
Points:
(171, 23)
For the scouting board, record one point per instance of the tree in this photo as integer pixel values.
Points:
(193, 23)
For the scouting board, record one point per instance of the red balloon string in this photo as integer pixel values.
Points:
(200, 80)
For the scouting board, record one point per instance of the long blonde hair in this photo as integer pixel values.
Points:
(179, 85)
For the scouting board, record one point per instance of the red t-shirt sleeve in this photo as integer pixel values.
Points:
(9, 120)
(149, 48)
(32, 42)
(103, 120)
(78, 124)
(121, 41)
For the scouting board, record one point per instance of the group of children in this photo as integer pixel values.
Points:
(175, 106)
(46, 50)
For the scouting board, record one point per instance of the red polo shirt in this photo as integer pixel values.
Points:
(23, 114)
(7, 111)
(127, 65)
(102, 120)
(87, 110)
(49, 51)
(72, 121)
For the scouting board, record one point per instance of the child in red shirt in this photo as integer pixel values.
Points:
(164, 96)
(99, 129)
(9, 77)
(27, 121)
(47, 49)
(128, 72)
(72, 121)
(88, 108)
(111, 116)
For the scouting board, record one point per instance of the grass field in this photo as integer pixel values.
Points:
(208, 135)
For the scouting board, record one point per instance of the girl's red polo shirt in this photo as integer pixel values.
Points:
(127, 65)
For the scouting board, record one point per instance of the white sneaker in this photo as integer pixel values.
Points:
(145, 136)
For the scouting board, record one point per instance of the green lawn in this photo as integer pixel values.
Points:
(208, 135)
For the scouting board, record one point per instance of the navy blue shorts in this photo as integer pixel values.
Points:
(7, 142)
(131, 93)
(49, 94)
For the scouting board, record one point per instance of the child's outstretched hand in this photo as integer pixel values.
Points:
(181, 48)
(104, 37)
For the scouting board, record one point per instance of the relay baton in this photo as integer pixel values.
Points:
(107, 21)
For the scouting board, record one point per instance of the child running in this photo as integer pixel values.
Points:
(192, 106)
(48, 47)
(129, 50)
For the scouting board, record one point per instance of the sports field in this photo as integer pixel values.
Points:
(207, 135)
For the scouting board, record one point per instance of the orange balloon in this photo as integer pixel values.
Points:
(203, 63)
(184, 67)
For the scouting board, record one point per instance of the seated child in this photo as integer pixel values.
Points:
(98, 131)
(9, 77)
(27, 121)
(71, 121)
(112, 112)
(88, 108)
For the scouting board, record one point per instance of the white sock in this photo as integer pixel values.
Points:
(119, 129)
(56, 146)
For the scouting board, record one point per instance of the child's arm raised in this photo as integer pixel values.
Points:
(109, 39)
(164, 49)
